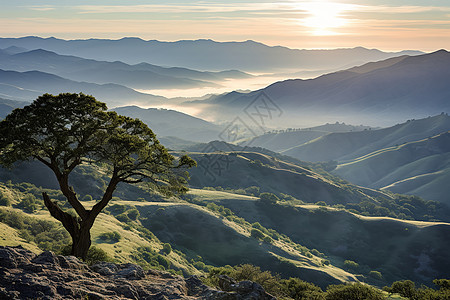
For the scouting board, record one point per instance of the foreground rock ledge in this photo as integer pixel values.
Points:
(25, 275)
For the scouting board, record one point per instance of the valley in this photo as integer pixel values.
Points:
(333, 179)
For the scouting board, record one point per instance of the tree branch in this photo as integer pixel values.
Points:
(71, 196)
(69, 222)
(107, 196)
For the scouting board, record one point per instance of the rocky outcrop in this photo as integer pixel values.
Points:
(25, 275)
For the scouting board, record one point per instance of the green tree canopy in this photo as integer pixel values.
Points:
(268, 198)
(67, 130)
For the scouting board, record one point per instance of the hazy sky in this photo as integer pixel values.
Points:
(383, 24)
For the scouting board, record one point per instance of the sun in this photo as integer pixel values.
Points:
(324, 16)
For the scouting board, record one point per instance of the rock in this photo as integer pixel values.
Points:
(226, 283)
(131, 271)
(105, 268)
(24, 275)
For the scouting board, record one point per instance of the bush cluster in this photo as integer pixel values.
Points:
(407, 288)
(110, 237)
(46, 235)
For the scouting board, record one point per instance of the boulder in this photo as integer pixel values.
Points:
(25, 275)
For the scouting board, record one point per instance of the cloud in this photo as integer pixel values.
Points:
(41, 8)
(167, 8)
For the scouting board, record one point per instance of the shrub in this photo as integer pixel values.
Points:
(96, 255)
(87, 198)
(267, 239)
(110, 237)
(444, 284)
(117, 209)
(406, 288)
(350, 265)
(317, 253)
(295, 288)
(28, 204)
(167, 248)
(133, 214)
(376, 275)
(4, 201)
(253, 190)
(355, 291)
(257, 234)
(268, 198)
(123, 218)
(163, 261)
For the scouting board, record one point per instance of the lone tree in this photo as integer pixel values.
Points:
(68, 130)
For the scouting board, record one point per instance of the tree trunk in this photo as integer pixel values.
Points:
(78, 229)
(81, 241)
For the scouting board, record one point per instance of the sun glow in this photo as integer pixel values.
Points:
(325, 16)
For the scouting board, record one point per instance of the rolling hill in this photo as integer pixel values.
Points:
(350, 145)
(282, 140)
(419, 168)
(202, 232)
(205, 54)
(391, 246)
(379, 94)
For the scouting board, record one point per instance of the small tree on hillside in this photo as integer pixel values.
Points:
(268, 198)
(67, 130)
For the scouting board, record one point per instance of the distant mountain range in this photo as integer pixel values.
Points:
(6, 106)
(377, 94)
(205, 54)
(171, 123)
(27, 86)
(140, 76)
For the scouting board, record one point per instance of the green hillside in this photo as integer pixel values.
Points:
(409, 249)
(213, 228)
(347, 146)
(245, 169)
(281, 140)
(420, 168)
(224, 220)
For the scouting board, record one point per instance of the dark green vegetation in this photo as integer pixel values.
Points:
(252, 173)
(45, 234)
(295, 288)
(217, 228)
(408, 289)
(368, 246)
(64, 131)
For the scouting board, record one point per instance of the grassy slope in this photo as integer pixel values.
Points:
(391, 246)
(350, 145)
(396, 248)
(282, 141)
(245, 169)
(419, 168)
